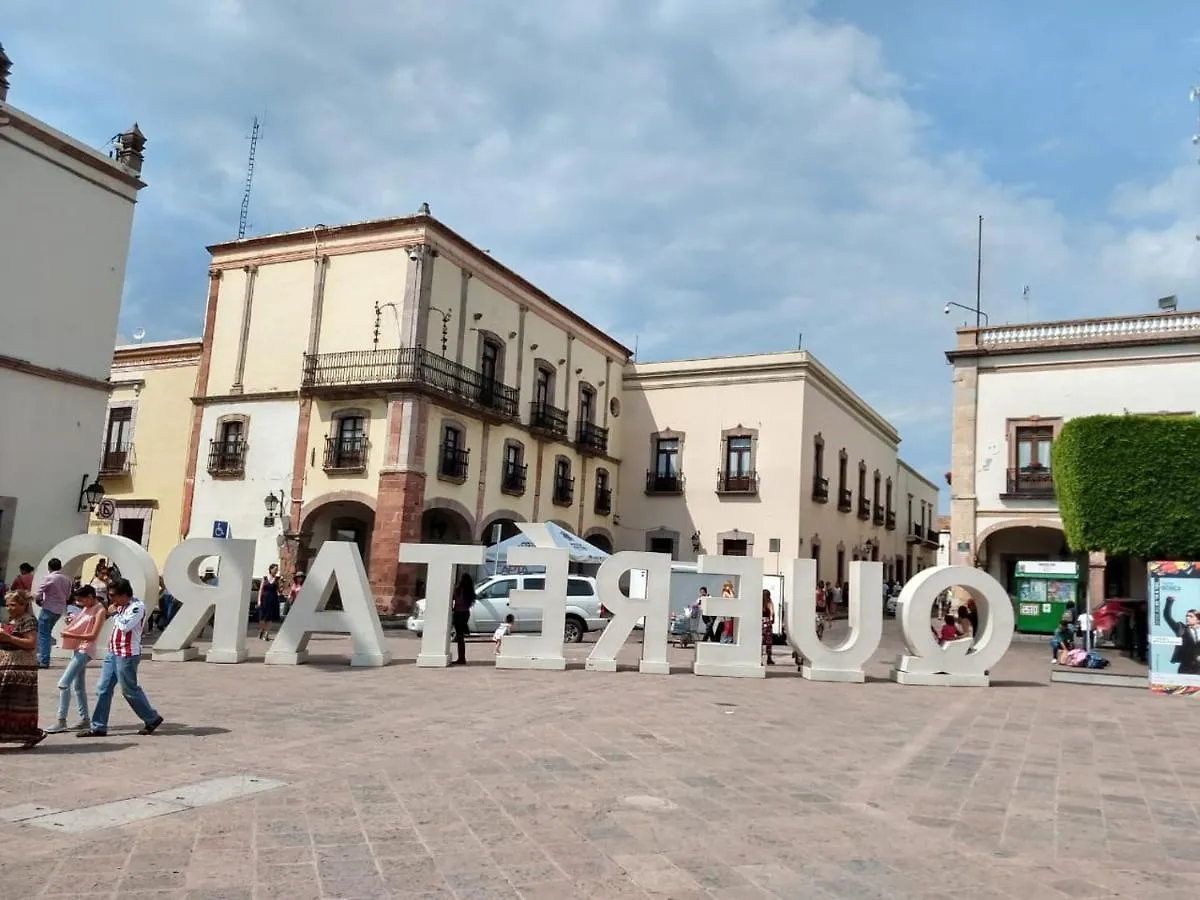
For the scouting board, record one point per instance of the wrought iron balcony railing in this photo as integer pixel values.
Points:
(115, 459)
(226, 457)
(564, 491)
(845, 500)
(664, 483)
(603, 501)
(591, 438)
(345, 454)
(1034, 483)
(546, 418)
(820, 491)
(737, 482)
(452, 463)
(512, 480)
(411, 367)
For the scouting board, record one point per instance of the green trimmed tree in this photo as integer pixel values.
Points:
(1130, 485)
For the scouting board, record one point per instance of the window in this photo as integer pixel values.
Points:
(733, 548)
(816, 554)
(603, 504)
(666, 457)
(227, 452)
(564, 484)
(840, 577)
(739, 475)
(910, 518)
(819, 456)
(590, 437)
(512, 478)
(1029, 442)
(118, 441)
(864, 505)
(877, 513)
(1033, 448)
(587, 404)
(890, 510)
(666, 476)
(843, 477)
(232, 433)
(346, 446)
(498, 589)
(662, 545)
(454, 457)
(577, 587)
(490, 356)
(534, 584)
(543, 385)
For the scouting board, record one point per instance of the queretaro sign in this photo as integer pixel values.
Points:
(226, 605)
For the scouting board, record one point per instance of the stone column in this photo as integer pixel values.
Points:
(399, 503)
(962, 466)
(1097, 564)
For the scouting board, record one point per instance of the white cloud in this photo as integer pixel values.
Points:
(711, 177)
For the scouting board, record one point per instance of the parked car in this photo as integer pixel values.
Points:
(492, 605)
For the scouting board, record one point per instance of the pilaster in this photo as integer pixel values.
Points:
(962, 464)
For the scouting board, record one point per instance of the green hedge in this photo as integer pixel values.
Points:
(1130, 484)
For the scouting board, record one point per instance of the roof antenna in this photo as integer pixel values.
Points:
(635, 347)
(800, 340)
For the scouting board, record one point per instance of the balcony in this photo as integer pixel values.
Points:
(345, 454)
(864, 508)
(409, 368)
(512, 480)
(1029, 484)
(115, 460)
(890, 523)
(664, 483)
(564, 491)
(737, 483)
(547, 419)
(591, 438)
(452, 463)
(820, 491)
(226, 458)
(877, 517)
(603, 501)
(845, 500)
(932, 538)
(915, 533)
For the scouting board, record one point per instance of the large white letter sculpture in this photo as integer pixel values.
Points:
(545, 650)
(338, 564)
(743, 658)
(844, 662)
(955, 663)
(134, 562)
(226, 604)
(655, 606)
(440, 560)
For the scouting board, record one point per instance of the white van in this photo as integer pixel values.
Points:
(491, 607)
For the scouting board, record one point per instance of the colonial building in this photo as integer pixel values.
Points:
(144, 448)
(767, 455)
(66, 211)
(1014, 387)
(388, 381)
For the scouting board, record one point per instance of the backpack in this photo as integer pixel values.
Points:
(1096, 661)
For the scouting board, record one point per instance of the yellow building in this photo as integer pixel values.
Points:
(144, 446)
(388, 381)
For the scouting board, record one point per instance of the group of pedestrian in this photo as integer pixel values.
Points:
(956, 626)
(25, 641)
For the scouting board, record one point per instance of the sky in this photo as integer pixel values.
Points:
(696, 177)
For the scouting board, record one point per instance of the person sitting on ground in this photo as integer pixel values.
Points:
(949, 630)
(1062, 641)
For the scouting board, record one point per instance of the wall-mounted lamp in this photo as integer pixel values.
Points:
(579, 371)
(445, 314)
(696, 545)
(477, 316)
(599, 384)
(533, 346)
(562, 362)
(511, 335)
(273, 503)
(90, 493)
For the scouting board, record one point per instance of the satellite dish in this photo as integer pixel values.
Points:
(139, 333)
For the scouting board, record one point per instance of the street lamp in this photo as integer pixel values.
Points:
(445, 326)
(272, 503)
(979, 313)
(89, 494)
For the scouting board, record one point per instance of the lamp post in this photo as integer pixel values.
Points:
(977, 309)
(272, 503)
(979, 313)
(445, 326)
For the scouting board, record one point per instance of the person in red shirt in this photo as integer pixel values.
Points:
(24, 581)
(949, 630)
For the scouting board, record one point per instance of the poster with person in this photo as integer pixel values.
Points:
(1174, 594)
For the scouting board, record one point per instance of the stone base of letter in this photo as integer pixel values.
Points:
(550, 664)
(370, 660)
(285, 657)
(726, 671)
(184, 655)
(940, 680)
(645, 667)
(838, 675)
(226, 656)
(433, 660)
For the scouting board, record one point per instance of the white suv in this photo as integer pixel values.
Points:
(491, 606)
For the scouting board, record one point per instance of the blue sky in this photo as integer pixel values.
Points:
(698, 176)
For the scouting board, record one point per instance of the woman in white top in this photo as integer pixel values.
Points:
(99, 582)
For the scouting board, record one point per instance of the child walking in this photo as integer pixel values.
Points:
(505, 628)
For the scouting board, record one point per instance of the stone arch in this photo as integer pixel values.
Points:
(564, 525)
(1005, 524)
(334, 497)
(498, 515)
(450, 505)
(602, 533)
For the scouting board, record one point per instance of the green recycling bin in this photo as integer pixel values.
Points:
(1043, 589)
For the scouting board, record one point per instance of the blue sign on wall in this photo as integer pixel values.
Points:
(220, 529)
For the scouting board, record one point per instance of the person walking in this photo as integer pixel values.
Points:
(268, 602)
(709, 621)
(52, 596)
(18, 674)
(460, 614)
(768, 625)
(79, 636)
(121, 663)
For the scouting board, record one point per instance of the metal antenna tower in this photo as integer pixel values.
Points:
(249, 180)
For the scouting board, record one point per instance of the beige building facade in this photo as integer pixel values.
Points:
(144, 447)
(1014, 388)
(388, 381)
(767, 455)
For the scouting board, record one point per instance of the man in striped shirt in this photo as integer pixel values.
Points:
(128, 616)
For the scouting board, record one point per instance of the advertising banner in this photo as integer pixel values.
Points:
(1174, 592)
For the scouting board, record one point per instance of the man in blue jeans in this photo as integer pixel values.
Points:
(52, 596)
(128, 616)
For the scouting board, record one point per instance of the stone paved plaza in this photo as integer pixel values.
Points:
(473, 783)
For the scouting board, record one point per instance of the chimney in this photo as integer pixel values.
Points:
(5, 68)
(130, 145)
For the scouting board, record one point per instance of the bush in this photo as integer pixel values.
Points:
(1130, 485)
